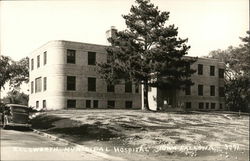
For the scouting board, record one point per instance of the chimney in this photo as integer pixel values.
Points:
(110, 33)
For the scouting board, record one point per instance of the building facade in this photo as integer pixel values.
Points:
(207, 93)
(63, 74)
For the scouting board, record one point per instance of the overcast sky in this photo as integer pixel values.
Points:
(208, 24)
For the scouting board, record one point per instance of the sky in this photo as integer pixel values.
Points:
(208, 24)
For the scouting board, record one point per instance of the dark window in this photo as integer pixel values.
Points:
(44, 103)
(110, 88)
(128, 87)
(207, 105)
(212, 105)
(188, 90)
(221, 106)
(212, 70)
(88, 103)
(91, 84)
(212, 90)
(95, 104)
(200, 90)
(111, 104)
(37, 104)
(38, 84)
(32, 64)
(221, 92)
(45, 58)
(128, 104)
(32, 87)
(38, 61)
(188, 105)
(91, 58)
(200, 69)
(201, 105)
(44, 83)
(71, 103)
(71, 83)
(71, 56)
(136, 88)
(221, 73)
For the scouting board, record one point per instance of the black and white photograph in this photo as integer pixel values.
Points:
(124, 80)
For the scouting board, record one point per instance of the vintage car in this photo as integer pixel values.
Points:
(15, 115)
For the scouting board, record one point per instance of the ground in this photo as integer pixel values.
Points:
(140, 135)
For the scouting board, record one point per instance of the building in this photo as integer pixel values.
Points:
(63, 75)
(207, 93)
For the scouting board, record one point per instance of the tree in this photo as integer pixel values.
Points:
(148, 52)
(237, 80)
(14, 72)
(16, 97)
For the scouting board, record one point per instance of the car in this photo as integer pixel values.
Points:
(15, 115)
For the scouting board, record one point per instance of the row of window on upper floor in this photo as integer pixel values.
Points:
(71, 85)
(201, 90)
(211, 71)
(71, 58)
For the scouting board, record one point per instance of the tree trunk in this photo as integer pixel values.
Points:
(145, 94)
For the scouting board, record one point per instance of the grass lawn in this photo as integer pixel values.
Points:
(139, 135)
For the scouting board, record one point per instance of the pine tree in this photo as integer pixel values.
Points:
(148, 52)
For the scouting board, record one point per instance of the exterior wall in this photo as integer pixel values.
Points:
(180, 98)
(56, 70)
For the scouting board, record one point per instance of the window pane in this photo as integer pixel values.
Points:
(38, 61)
(212, 68)
(71, 104)
(200, 69)
(188, 105)
(32, 64)
(91, 84)
(45, 83)
(45, 57)
(110, 88)
(128, 87)
(221, 92)
(44, 103)
(188, 90)
(32, 87)
(91, 58)
(212, 105)
(200, 90)
(212, 90)
(221, 73)
(88, 103)
(38, 84)
(71, 56)
(95, 105)
(136, 88)
(71, 83)
(128, 104)
(111, 104)
(201, 105)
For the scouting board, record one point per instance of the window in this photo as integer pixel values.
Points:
(212, 105)
(95, 104)
(45, 58)
(128, 87)
(200, 69)
(37, 104)
(188, 105)
(91, 58)
(111, 104)
(201, 105)
(200, 90)
(71, 103)
(71, 56)
(188, 68)
(44, 103)
(128, 104)
(136, 88)
(91, 84)
(110, 88)
(221, 106)
(32, 64)
(207, 105)
(212, 90)
(188, 90)
(38, 84)
(221, 73)
(44, 83)
(38, 61)
(71, 83)
(212, 70)
(32, 87)
(88, 103)
(221, 92)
